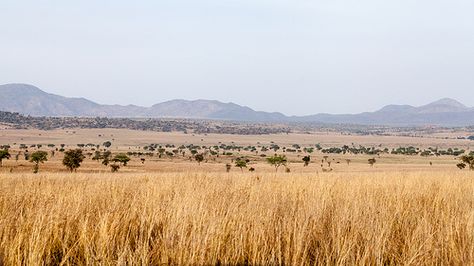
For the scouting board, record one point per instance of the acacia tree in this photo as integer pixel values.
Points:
(240, 163)
(121, 159)
(306, 160)
(106, 157)
(4, 154)
(199, 158)
(73, 159)
(114, 167)
(277, 161)
(372, 161)
(97, 156)
(38, 157)
(107, 144)
(468, 160)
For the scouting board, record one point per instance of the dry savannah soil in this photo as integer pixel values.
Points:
(404, 210)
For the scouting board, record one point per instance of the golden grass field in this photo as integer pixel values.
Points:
(401, 211)
(386, 218)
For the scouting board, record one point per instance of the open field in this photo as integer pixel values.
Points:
(130, 138)
(125, 141)
(168, 209)
(391, 218)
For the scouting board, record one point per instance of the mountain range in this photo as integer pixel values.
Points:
(30, 100)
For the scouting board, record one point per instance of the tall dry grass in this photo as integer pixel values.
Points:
(199, 218)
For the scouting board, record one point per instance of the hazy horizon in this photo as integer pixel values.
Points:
(295, 57)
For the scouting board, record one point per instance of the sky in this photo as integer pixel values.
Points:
(293, 56)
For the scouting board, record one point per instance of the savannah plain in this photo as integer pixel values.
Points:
(171, 209)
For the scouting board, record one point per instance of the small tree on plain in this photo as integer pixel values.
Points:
(107, 144)
(73, 159)
(240, 163)
(306, 159)
(121, 158)
(4, 154)
(97, 156)
(199, 158)
(277, 161)
(38, 157)
(372, 161)
(468, 160)
(114, 167)
(106, 157)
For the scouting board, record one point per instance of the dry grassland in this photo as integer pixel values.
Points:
(124, 138)
(385, 218)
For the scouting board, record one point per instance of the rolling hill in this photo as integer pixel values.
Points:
(30, 100)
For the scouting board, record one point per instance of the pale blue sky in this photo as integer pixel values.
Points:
(297, 57)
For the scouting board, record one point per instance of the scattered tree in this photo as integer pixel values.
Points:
(114, 167)
(38, 157)
(241, 164)
(199, 158)
(468, 160)
(372, 161)
(4, 154)
(97, 156)
(277, 161)
(107, 144)
(121, 159)
(106, 157)
(306, 160)
(73, 159)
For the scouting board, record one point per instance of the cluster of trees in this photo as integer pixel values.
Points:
(159, 125)
(409, 150)
(466, 161)
(72, 159)
(346, 149)
(115, 162)
(201, 153)
(428, 152)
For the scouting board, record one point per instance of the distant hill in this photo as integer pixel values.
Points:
(30, 100)
(444, 112)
